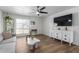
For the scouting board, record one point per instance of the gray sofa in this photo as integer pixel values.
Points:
(8, 45)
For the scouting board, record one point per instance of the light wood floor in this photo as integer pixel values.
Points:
(47, 45)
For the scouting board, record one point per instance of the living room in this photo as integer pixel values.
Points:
(38, 22)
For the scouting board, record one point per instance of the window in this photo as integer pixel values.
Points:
(22, 26)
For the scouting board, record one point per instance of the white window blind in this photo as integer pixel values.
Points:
(22, 26)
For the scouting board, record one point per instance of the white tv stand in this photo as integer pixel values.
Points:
(63, 35)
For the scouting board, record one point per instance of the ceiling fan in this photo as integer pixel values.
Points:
(40, 10)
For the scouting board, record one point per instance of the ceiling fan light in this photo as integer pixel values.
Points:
(37, 13)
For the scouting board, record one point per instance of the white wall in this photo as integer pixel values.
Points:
(1, 22)
(36, 19)
(48, 24)
(1, 25)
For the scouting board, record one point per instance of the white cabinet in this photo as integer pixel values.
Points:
(56, 34)
(53, 34)
(66, 36)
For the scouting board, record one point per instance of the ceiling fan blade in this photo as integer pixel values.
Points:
(42, 8)
(44, 12)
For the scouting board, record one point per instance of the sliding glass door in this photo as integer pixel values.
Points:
(22, 26)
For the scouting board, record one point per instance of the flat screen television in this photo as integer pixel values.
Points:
(65, 20)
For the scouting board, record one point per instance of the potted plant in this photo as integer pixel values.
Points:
(8, 23)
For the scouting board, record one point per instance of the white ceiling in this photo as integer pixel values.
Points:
(31, 10)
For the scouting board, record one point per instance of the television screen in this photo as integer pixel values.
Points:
(65, 20)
